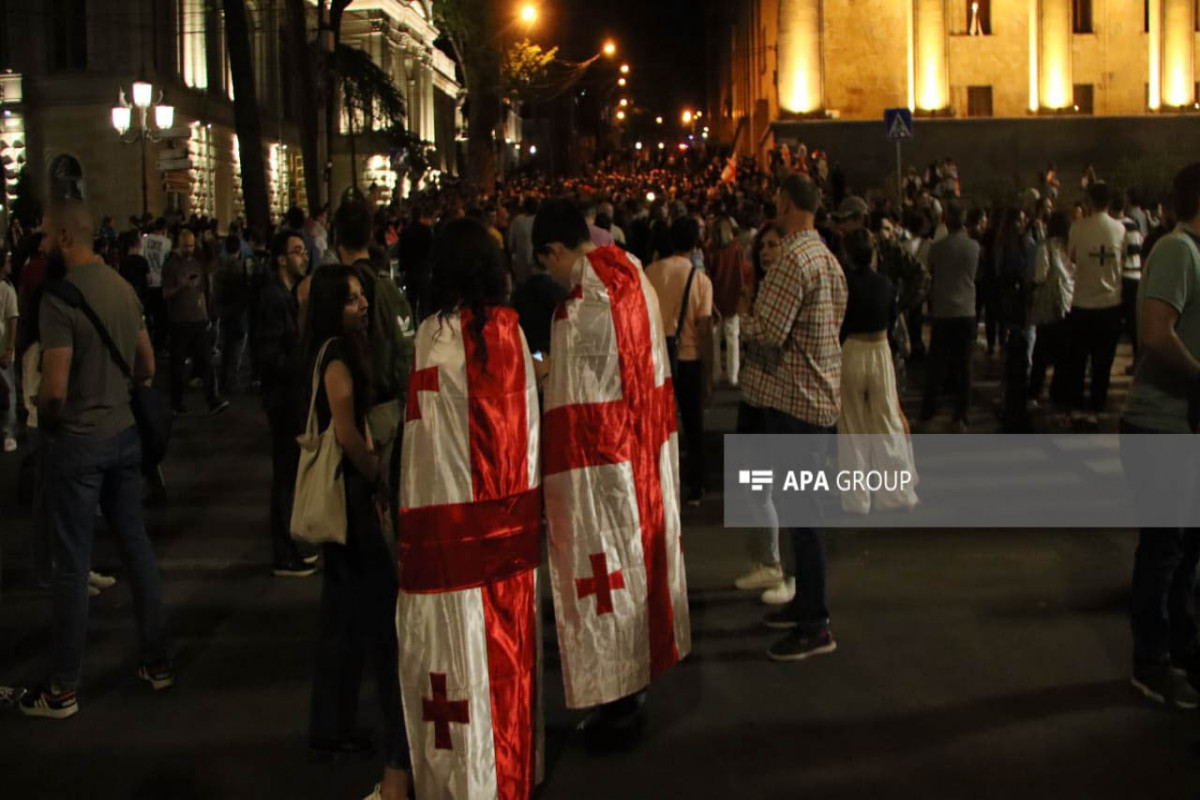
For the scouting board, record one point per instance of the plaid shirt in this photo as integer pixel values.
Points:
(793, 359)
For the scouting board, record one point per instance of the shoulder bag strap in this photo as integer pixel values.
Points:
(70, 294)
(310, 427)
(687, 292)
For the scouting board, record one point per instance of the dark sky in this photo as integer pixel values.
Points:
(662, 41)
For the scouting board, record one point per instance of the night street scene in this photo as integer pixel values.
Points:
(569, 399)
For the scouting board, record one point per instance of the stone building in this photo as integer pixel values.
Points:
(69, 61)
(778, 65)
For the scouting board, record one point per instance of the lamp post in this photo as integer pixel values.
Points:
(122, 121)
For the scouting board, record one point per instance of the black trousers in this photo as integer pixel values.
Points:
(1129, 292)
(233, 342)
(689, 388)
(951, 343)
(1048, 351)
(1092, 335)
(285, 455)
(191, 339)
(358, 614)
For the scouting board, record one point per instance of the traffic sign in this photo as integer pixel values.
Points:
(172, 164)
(899, 124)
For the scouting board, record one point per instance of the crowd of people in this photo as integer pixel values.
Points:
(473, 364)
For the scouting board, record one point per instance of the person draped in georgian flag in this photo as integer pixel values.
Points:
(611, 480)
(470, 535)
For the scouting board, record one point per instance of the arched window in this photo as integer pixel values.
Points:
(65, 178)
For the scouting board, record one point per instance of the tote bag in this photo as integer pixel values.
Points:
(319, 504)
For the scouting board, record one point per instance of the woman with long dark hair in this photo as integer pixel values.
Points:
(358, 592)
(470, 532)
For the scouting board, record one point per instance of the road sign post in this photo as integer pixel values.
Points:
(898, 123)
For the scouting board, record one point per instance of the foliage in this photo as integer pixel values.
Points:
(368, 91)
(416, 156)
(525, 67)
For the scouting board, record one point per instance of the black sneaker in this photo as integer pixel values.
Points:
(801, 644)
(311, 560)
(220, 407)
(300, 569)
(1165, 686)
(160, 676)
(783, 619)
(49, 704)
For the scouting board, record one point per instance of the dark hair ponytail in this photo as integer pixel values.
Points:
(468, 273)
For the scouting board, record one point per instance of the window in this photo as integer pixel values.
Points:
(67, 44)
(979, 101)
(1081, 16)
(979, 17)
(193, 59)
(1085, 98)
(4, 54)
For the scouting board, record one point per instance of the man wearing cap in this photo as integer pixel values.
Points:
(897, 263)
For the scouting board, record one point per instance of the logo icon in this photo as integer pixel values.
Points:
(756, 478)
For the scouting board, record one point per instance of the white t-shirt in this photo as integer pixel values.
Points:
(1097, 248)
(8, 310)
(155, 248)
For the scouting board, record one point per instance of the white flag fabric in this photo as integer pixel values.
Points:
(470, 544)
(611, 466)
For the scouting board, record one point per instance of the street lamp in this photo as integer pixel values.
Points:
(658, 120)
(687, 117)
(624, 102)
(624, 69)
(610, 48)
(621, 115)
(529, 14)
(621, 82)
(122, 122)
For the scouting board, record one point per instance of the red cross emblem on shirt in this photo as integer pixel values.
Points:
(421, 380)
(441, 711)
(600, 584)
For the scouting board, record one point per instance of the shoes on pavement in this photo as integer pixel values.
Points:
(801, 644)
(10, 444)
(764, 576)
(49, 703)
(300, 569)
(101, 581)
(377, 794)
(1166, 686)
(781, 593)
(160, 676)
(782, 620)
(311, 559)
(10, 696)
(694, 497)
(220, 407)
(93, 591)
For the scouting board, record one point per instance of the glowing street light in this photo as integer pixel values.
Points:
(622, 83)
(662, 146)
(658, 120)
(529, 14)
(122, 119)
(699, 115)
(650, 197)
(624, 69)
(637, 146)
(687, 117)
(621, 115)
(610, 48)
(624, 102)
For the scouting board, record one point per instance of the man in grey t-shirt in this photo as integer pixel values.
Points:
(92, 455)
(953, 262)
(1165, 640)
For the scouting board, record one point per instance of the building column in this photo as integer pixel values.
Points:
(801, 88)
(929, 55)
(1055, 80)
(427, 113)
(1178, 39)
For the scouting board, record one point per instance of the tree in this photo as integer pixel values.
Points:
(300, 62)
(525, 68)
(245, 115)
(369, 94)
(473, 28)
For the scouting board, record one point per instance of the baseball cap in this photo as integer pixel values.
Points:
(852, 207)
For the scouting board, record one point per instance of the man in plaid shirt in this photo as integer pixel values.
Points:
(792, 379)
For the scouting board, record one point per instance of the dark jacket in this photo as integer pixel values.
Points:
(535, 302)
(278, 340)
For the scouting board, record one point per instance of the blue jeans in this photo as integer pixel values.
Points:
(809, 606)
(80, 474)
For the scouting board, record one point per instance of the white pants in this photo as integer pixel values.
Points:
(729, 330)
(871, 405)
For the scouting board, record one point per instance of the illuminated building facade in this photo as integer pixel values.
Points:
(780, 61)
(69, 59)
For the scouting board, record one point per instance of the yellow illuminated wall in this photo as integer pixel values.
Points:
(1054, 64)
(1178, 48)
(929, 39)
(800, 56)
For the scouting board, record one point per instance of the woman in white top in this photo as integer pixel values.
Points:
(1053, 291)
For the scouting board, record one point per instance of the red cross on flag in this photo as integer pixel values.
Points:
(611, 465)
(469, 544)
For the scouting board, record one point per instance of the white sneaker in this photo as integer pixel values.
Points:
(95, 579)
(10, 444)
(763, 576)
(377, 794)
(781, 593)
(93, 591)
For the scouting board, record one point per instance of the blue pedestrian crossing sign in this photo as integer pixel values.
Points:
(899, 124)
